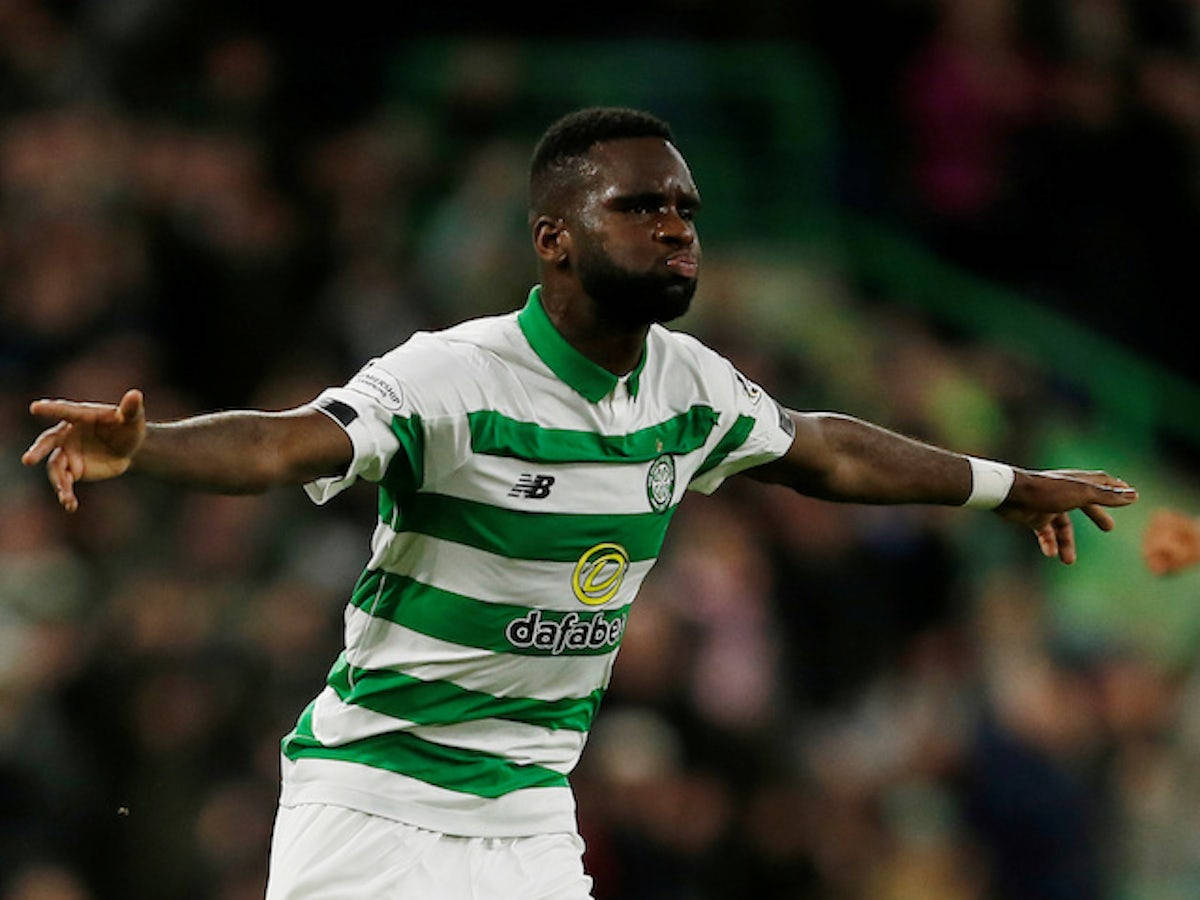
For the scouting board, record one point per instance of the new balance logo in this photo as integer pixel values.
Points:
(532, 487)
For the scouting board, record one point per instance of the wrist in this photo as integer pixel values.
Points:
(141, 457)
(991, 483)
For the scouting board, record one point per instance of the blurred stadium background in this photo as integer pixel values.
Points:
(975, 221)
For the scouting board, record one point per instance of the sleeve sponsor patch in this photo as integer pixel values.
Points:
(380, 385)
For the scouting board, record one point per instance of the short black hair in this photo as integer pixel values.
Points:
(572, 136)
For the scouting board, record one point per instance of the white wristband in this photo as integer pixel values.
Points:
(990, 483)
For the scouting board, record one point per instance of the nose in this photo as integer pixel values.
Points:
(674, 229)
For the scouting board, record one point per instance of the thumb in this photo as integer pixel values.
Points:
(130, 407)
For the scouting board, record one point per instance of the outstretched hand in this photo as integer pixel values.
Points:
(1042, 501)
(91, 442)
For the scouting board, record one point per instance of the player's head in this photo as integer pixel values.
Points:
(612, 204)
(559, 163)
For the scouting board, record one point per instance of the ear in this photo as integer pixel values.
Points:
(551, 241)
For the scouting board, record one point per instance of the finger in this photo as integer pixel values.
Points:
(130, 406)
(1111, 488)
(1092, 476)
(1117, 496)
(1047, 541)
(75, 463)
(46, 441)
(1103, 479)
(61, 478)
(1097, 514)
(75, 412)
(1064, 533)
(68, 462)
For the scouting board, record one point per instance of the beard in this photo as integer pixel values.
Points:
(627, 299)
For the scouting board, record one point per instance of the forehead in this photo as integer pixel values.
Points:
(638, 165)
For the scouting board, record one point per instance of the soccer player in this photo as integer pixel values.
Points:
(528, 466)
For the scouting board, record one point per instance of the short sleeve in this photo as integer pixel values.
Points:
(383, 426)
(758, 431)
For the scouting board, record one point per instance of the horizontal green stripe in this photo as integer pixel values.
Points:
(495, 434)
(464, 771)
(734, 438)
(466, 621)
(521, 534)
(441, 703)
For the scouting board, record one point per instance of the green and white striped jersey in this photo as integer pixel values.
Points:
(524, 493)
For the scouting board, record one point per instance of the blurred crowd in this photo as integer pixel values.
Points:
(811, 700)
(1053, 146)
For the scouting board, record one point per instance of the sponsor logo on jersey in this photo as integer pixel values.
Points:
(532, 487)
(599, 573)
(573, 632)
(660, 483)
(380, 385)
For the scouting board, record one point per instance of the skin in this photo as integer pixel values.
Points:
(630, 214)
(1171, 542)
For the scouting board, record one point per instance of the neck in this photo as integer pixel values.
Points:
(617, 348)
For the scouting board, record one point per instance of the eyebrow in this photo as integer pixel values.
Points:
(653, 198)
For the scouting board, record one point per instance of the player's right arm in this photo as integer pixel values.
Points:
(237, 452)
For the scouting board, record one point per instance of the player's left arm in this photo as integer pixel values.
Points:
(838, 457)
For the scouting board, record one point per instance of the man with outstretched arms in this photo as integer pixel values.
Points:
(528, 465)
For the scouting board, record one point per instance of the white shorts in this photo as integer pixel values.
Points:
(321, 852)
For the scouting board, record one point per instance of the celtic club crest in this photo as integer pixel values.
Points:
(660, 482)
